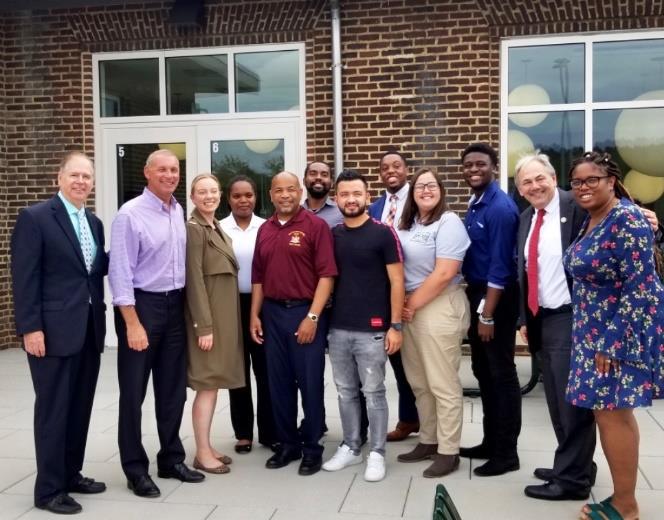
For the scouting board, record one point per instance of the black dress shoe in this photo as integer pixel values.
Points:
(87, 486)
(552, 491)
(61, 504)
(476, 452)
(545, 474)
(495, 467)
(181, 472)
(282, 458)
(144, 486)
(309, 466)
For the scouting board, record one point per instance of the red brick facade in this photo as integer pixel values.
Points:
(422, 75)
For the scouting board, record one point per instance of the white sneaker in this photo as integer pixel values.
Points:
(342, 458)
(375, 467)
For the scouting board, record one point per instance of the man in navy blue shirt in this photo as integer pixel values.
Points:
(490, 271)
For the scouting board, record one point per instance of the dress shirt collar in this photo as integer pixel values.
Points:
(486, 196)
(71, 209)
(553, 206)
(328, 202)
(254, 223)
(401, 194)
(157, 203)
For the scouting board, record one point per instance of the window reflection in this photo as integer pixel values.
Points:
(258, 159)
(129, 87)
(197, 84)
(131, 160)
(546, 74)
(560, 136)
(267, 81)
(635, 140)
(623, 71)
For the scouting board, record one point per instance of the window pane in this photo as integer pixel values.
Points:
(267, 81)
(623, 71)
(635, 140)
(129, 87)
(197, 84)
(546, 74)
(131, 160)
(559, 135)
(258, 159)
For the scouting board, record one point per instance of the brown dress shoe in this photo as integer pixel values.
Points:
(419, 452)
(403, 430)
(442, 465)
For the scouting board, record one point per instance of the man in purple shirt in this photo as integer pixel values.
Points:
(146, 275)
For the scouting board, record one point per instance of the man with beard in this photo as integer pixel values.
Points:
(318, 182)
(292, 277)
(388, 209)
(366, 323)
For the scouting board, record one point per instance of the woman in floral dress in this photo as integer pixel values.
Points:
(618, 336)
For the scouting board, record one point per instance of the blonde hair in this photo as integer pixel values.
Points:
(200, 177)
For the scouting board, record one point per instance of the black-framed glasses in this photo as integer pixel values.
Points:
(431, 186)
(591, 182)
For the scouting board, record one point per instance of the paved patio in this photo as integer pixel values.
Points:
(252, 492)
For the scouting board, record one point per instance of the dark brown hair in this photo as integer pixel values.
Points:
(609, 167)
(410, 210)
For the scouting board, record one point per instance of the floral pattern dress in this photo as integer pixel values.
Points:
(618, 303)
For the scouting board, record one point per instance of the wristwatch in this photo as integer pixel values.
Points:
(313, 317)
(396, 326)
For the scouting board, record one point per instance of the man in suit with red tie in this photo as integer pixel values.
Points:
(58, 264)
(546, 229)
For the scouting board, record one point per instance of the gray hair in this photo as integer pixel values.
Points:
(536, 156)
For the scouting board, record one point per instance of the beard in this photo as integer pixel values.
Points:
(318, 191)
(353, 212)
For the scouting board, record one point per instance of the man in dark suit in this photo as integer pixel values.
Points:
(546, 229)
(58, 264)
(388, 209)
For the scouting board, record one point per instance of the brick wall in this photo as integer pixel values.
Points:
(421, 75)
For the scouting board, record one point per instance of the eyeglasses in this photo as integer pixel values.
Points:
(591, 182)
(431, 186)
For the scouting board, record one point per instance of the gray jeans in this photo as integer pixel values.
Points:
(359, 358)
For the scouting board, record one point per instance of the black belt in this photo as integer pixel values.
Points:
(172, 292)
(289, 303)
(544, 312)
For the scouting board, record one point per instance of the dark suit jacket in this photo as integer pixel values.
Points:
(376, 207)
(571, 220)
(53, 291)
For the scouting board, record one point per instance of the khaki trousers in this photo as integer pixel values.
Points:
(431, 355)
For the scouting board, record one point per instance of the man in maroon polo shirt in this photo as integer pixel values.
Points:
(292, 278)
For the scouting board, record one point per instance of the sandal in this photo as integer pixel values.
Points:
(218, 470)
(603, 511)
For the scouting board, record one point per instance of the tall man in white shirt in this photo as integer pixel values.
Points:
(546, 229)
(388, 209)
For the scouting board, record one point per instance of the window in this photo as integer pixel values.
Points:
(199, 82)
(565, 95)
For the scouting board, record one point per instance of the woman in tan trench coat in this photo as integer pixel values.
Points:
(215, 355)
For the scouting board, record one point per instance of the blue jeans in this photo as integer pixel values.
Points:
(360, 357)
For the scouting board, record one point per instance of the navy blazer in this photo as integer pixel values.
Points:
(571, 220)
(53, 291)
(376, 208)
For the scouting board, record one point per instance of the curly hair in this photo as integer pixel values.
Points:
(604, 162)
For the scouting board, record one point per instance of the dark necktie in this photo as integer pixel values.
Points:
(533, 300)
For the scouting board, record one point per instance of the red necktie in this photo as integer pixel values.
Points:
(533, 300)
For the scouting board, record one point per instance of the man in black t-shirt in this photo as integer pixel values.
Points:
(365, 325)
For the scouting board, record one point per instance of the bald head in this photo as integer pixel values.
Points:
(285, 194)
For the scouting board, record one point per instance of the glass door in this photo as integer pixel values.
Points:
(257, 150)
(119, 176)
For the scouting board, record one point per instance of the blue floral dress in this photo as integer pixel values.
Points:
(618, 310)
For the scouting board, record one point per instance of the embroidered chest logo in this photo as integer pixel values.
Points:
(296, 238)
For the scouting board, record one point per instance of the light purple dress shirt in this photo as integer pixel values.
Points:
(148, 239)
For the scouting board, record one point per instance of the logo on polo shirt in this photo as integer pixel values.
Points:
(296, 238)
